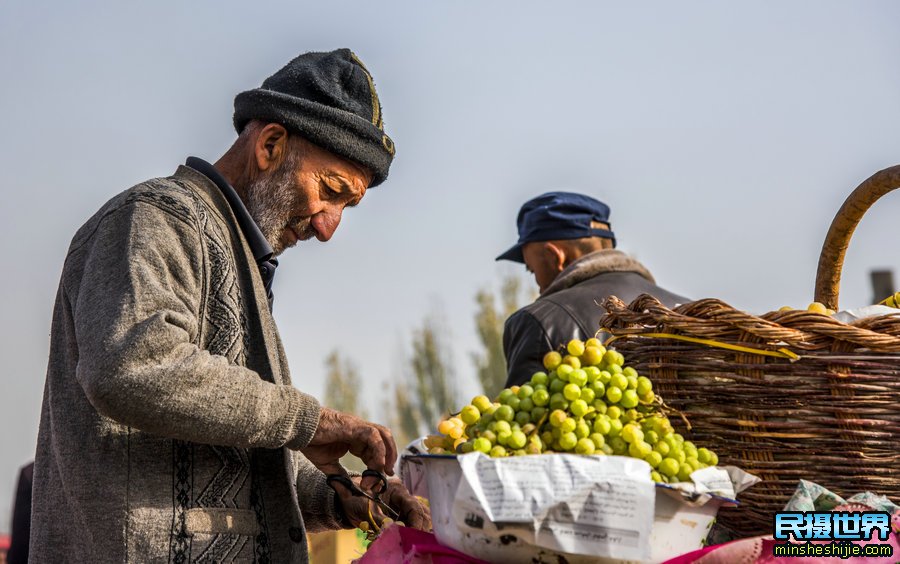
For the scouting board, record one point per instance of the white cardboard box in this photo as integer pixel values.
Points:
(556, 514)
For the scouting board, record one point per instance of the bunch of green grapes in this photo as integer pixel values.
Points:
(587, 402)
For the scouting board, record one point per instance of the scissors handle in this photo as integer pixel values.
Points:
(347, 482)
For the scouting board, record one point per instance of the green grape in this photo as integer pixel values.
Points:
(513, 402)
(615, 427)
(523, 417)
(505, 413)
(630, 416)
(563, 371)
(505, 395)
(629, 399)
(533, 448)
(537, 414)
(517, 440)
(587, 395)
(689, 449)
(467, 447)
(557, 385)
(684, 473)
(540, 398)
(598, 388)
(578, 377)
(582, 429)
(651, 437)
(490, 436)
(632, 383)
(614, 412)
(503, 437)
(585, 446)
(644, 385)
(614, 369)
(653, 459)
(572, 392)
(647, 398)
(618, 445)
(501, 426)
(568, 425)
(632, 433)
(639, 449)
(607, 449)
(610, 357)
(679, 456)
(605, 377)
(572, 361)
(497, 452)
(693, 463)
(578, 407)
(669, 467)
(654, 475)
(528, 428)
(482, 403)
(703, 455)
(482, 445)
(552, 360)
(567, 441)
(558, 401)
(557, 417)
(525, 391)
(593, 373)
(575, 347)
(601, 425)
(556, 433)
(678, 438)
(593, 355)
(470, 414)
(547, 437)
(599, 405)
(627, 370)
(614, 395)
(618, 381)
(539, 378)
(526, 404)
(713, 459)
(598, 440)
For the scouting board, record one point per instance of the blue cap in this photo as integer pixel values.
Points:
(558, 215)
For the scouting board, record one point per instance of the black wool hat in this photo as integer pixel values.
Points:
(329, 99)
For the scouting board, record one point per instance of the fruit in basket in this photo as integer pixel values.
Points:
(588, 402)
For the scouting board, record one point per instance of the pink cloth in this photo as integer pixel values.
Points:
(405, 545)
(758, 550)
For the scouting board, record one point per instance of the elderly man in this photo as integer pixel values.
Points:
(565, 240)
(170, 430)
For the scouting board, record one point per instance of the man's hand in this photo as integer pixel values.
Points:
(339, 433)
(410, 510)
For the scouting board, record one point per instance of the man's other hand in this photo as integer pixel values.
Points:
(410, 510)
(339, 433)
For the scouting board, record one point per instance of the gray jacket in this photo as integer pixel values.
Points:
(569, 308)
(168, 403)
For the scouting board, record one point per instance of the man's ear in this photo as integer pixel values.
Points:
(556, 256)
(270, 146)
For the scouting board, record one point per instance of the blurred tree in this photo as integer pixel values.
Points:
(490, 363)
(426, 391)
(342, 393)
(343, 385)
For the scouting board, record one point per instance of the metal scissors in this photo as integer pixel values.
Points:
(380, 488)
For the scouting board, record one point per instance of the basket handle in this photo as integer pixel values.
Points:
(831, 259)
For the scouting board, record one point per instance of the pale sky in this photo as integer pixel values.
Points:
(724, 136)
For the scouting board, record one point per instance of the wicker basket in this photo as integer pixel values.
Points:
(831, 416)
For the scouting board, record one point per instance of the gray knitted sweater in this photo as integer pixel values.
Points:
(168, 403)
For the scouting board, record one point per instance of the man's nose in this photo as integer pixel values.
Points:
(326, 223)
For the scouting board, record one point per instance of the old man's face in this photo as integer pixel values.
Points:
(305, 195)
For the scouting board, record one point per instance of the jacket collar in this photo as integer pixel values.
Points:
(593, 264)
